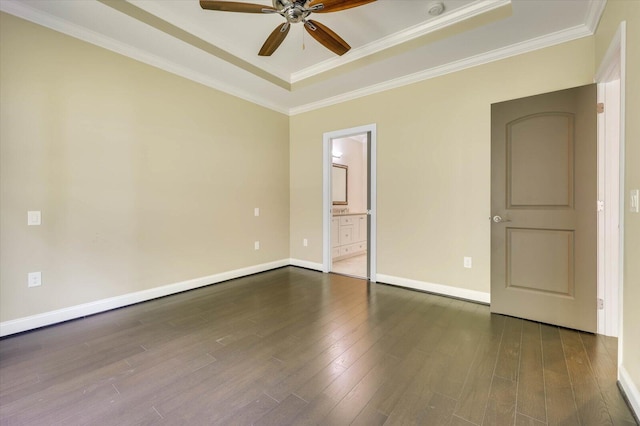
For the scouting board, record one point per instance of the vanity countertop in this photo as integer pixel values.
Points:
(348, 214)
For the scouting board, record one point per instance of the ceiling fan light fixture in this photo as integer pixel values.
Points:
(435, 9)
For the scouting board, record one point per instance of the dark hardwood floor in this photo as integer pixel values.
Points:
(293, 346)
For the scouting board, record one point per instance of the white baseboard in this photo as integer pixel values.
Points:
(630, 389)
(73, 312)
(445, 290)
(306, 264)
(79, 311)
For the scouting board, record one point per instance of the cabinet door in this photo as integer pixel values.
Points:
(346, 220)
(335, 232)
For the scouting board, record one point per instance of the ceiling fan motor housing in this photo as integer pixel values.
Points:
(283, 4)
(296, 14)
(293, 11)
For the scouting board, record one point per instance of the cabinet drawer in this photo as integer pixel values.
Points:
(335, 252)
(346, 220)
(353, 249)
(346, 250)
(346, 235)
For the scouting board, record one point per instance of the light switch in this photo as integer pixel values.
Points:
(34, 218)
(256, 245)
(34, 279)
(634, 201)
(467, 262)
(256, 211)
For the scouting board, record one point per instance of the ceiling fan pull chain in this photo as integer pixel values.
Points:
(303, 46)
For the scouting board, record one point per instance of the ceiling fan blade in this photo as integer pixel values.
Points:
(336, 5)
(275, 39)
(326, 37)
(235, 6)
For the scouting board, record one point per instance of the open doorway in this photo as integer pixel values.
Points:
(349, 196)
(349, 202)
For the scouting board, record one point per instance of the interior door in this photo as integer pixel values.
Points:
(543, 204)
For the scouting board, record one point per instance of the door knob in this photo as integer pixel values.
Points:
(498, 219)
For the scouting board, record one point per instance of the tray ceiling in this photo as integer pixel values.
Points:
(394, 42)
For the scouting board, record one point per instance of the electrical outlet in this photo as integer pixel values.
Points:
(256, 211)
(305, 243)
(467, 262)
(256, 245)
(34, 279)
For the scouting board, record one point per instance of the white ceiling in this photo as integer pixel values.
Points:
(394, 42)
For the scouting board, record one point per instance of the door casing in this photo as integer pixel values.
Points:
(327, 138)
(610, 287)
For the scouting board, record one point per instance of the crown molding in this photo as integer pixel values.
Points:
(28, 13)
(594, 13)
(596, 8)
(143, 16)
(159, 10)
(454, 17)
(485, 58)
(42, 18)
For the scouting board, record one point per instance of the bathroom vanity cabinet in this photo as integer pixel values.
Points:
(348, 235)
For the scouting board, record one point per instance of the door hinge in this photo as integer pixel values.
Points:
(600, 304)
(600, 207)
(600, 107)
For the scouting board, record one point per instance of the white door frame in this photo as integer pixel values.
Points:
(327, 139)
(610, 79)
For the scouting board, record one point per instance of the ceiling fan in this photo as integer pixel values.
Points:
(294, 11)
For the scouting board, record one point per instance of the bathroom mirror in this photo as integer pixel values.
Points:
(339, 184)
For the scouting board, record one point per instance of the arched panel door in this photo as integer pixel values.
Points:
(543, 201)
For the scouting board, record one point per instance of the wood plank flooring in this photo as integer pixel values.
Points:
(297, 347)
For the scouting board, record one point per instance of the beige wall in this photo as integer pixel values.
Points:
(143, 178)
(615, 12)
(433, 141)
